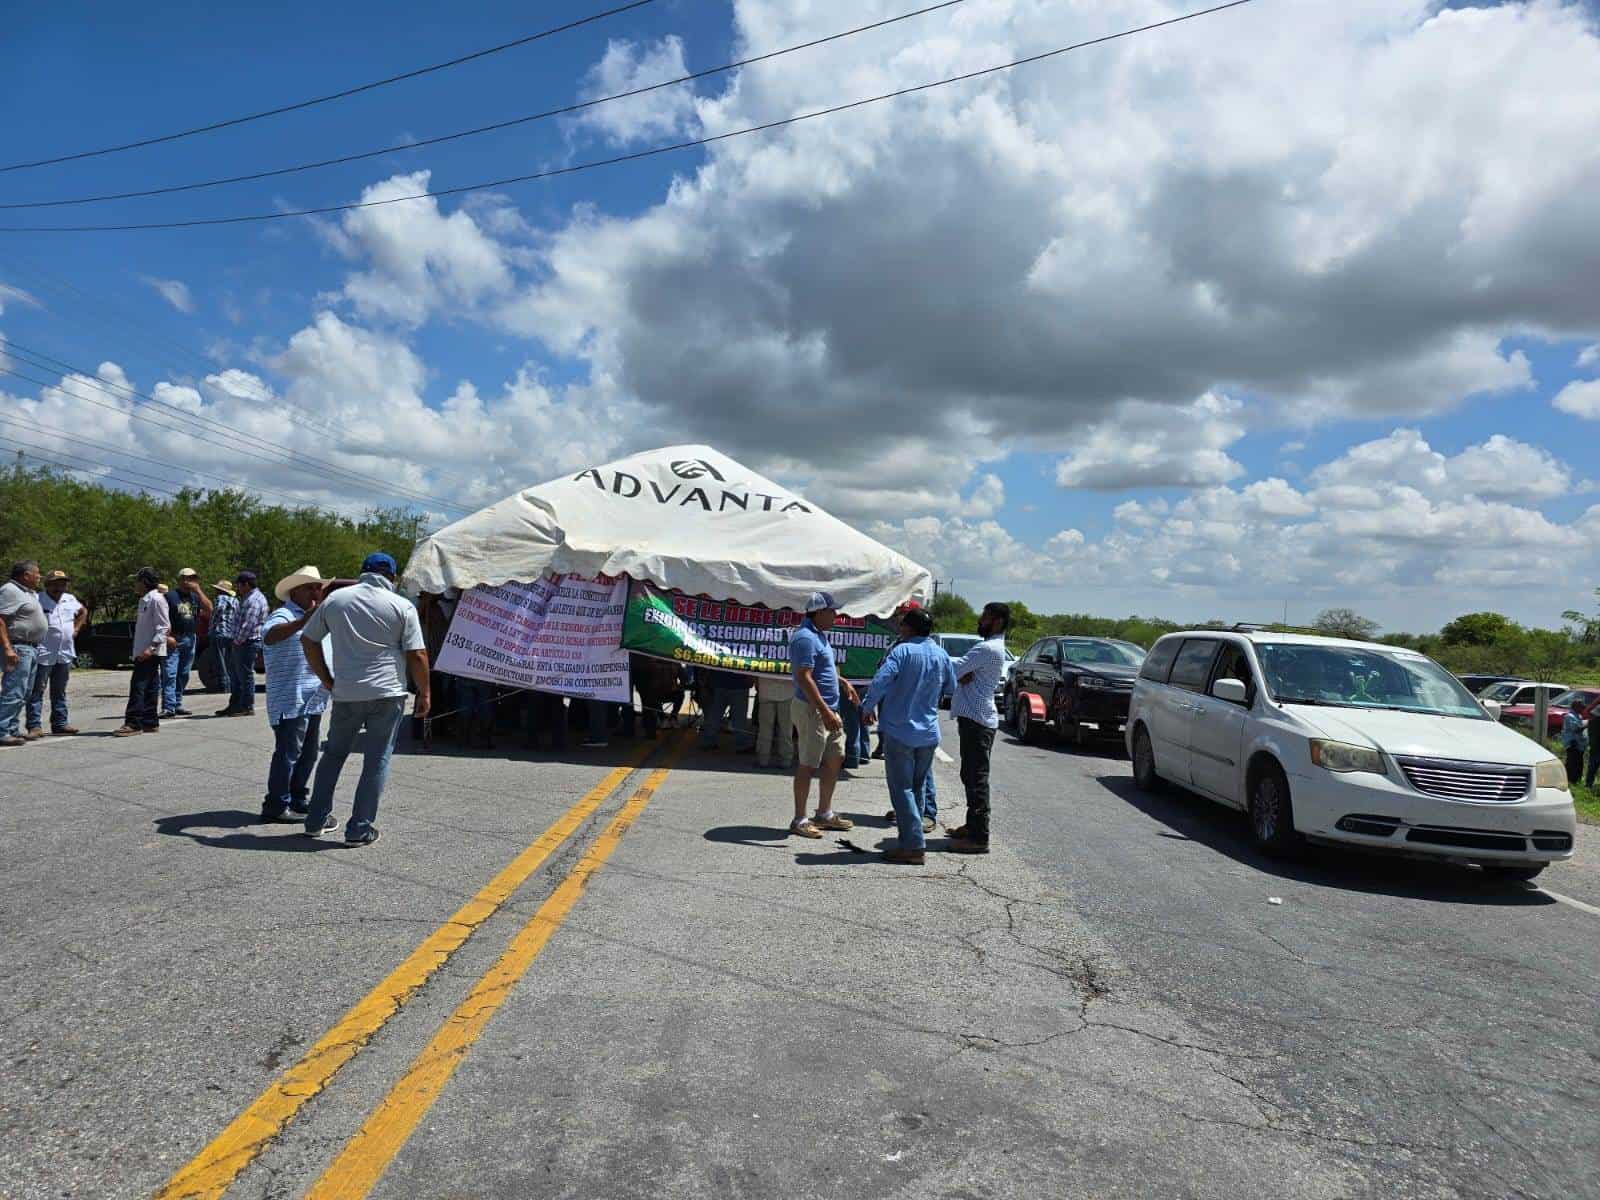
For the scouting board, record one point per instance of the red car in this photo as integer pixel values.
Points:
(1522, 714)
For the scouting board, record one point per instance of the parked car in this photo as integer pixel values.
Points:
(1347, 742)
(1477, 683)
(1077, 686)
(1512, 692)
(957, 644)
(1520, 716)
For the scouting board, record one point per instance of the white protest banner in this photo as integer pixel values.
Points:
(562, 634)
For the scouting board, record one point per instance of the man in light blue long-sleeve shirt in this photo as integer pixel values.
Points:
(904, 698)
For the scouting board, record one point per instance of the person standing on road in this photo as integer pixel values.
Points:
(64, 619)
(978, 673)
(1574, 738)
(773, 726)
(22, 631)
(246, 646)
(150, 633)
(185, 604)
(1592, 727)
(376, 638)
(296, 698)
(813, 714)
(224, 620)
(729, 709)
(913, 678)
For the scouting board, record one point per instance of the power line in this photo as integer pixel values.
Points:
(91, 469)
(566, 110)
(636, 155)
(178, 469)
(340, 95)
(344, 475)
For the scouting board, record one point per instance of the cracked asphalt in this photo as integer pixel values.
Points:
(1107, 1006)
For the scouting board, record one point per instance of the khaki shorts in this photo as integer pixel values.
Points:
(817, 743)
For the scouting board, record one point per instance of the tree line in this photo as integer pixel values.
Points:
(101, 536)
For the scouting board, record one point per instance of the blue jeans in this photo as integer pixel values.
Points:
(907, 768)
(144, 695)
(221, 651)
(381, 719)
(15, 689)
(175, 674)
(857, 739)
(930, 798)
(242, 673)
(728, 708)
(55, 675)
(294, 753)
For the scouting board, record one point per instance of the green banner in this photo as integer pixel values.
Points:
(742, 637)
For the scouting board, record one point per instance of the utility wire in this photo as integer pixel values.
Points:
(498, 125)
(178, 469)
(352, 91)
(635, 156)
(129, 478)
(343, 475)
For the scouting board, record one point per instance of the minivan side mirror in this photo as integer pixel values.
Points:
(1231, 690)
(1492, 707)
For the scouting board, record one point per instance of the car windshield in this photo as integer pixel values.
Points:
(1575, 696)
(955, 645)
(1500, 691)
(1355, 677)
(1114, 653)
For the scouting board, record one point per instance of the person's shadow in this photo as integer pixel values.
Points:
(286, 838)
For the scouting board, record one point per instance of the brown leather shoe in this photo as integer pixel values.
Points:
(961, 845)
(64, 731)
(910, 858)
(126, 731)
(33, 735)
(13, 740)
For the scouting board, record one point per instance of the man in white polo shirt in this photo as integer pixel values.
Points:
(376, 638)
(65, 619)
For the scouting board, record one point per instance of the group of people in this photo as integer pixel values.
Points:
(903, 700)
(39, 626)
(1580, 732)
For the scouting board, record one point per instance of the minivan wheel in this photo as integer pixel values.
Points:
(1144, 762)
(1272, 813)
(1527, 872)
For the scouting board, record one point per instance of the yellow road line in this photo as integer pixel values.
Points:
(353, 1174)
(211, 1171)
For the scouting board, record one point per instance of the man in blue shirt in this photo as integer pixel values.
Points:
(296, 698)
(905, 695)
(814, 715)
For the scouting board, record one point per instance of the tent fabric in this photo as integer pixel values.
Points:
(683, 517)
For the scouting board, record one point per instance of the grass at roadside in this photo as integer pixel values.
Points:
(1587, 801)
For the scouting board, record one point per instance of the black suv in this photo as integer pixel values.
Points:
(1080, 686)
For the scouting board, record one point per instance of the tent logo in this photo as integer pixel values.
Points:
(696, 468)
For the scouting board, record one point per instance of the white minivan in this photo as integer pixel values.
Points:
(1351, 742)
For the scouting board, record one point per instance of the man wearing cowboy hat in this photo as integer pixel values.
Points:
(246, 646)
(65, 618)
(296, 698)
(186, 603)
(224, 620)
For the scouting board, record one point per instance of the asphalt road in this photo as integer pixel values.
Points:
(631, 983)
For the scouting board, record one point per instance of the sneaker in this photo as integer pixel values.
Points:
(329, 824)
(270, 814)
(363, 839)
(123, 731)
(33, 735)
(804, 829)
(832, 821)
(299, 810)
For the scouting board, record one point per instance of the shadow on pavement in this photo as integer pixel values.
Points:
(287, 838)
(1194, 818)
(763, 837)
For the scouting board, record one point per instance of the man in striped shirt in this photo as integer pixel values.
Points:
(296, 698)
(224, 620)
(246, 645)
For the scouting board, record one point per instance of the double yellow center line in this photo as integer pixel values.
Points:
(213, 1170)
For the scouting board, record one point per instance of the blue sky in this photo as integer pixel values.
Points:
(1144, 329)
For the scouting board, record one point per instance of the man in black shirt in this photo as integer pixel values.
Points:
(185, 603)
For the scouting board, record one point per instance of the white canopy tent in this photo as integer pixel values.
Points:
(684, 517)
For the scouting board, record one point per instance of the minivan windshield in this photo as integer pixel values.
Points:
(1355, 677)
(1122, 654)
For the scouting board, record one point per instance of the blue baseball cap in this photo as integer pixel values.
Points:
(380, 562)
(820, 601)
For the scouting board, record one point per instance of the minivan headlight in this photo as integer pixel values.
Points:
(1344, 758)
(1550, 774)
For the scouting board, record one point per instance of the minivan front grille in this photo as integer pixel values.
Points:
(1494, 783)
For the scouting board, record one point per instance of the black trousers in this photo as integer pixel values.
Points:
(1574, 762)
(144, 695)
(977, 743)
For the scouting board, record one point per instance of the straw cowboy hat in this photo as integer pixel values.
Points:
(222, 585)
(289, 582)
